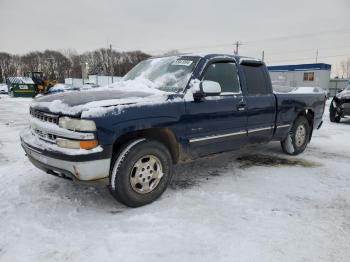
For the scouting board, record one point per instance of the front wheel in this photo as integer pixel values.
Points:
(141, 172)
(298, 137)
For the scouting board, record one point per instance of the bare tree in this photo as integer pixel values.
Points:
(59, 65)
(7, 64)
(31, 61)
(1, 75)
(345, 68)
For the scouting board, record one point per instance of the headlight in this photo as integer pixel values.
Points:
(77, 124)
(74, 144)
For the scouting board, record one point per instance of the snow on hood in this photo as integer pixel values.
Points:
(99, 101)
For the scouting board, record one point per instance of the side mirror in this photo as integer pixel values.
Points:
(210, 88)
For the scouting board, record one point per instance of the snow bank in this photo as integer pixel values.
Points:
(307, 90)
(3, 88)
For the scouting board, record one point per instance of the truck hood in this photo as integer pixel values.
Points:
(96, 103)
(81, 98)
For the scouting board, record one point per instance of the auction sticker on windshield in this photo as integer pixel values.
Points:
(182, 62)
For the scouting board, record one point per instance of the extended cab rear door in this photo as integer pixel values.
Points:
(261, 102)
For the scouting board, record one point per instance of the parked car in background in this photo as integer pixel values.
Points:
(165, 111)
(340, 106)
(3, 89)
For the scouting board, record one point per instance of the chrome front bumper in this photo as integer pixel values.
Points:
(78, 167)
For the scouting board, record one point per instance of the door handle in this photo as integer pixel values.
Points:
(241, 106)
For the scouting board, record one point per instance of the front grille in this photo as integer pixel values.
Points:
(45, 136)
(45, 117)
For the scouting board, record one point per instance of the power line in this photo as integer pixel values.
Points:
(309, 58)
(250, 42)
(306, 35)
(306, 50)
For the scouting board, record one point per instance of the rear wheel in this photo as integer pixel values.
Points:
(333, 114)
(141, 172)
(298, 137)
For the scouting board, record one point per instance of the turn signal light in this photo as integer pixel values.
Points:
(88, 144)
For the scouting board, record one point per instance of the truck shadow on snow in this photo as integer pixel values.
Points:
(194, 173)
(250, 160)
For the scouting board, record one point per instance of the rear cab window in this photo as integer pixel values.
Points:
(256, 80)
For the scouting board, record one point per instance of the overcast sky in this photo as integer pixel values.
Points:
(288, 31)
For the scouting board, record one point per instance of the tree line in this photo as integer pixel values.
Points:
(342, 70)
(58, 65)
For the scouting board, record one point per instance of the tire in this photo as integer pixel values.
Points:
(333, 114)
(140, 172)
(298, 137)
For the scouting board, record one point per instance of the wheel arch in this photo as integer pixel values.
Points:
(163, 135)
(309, 114)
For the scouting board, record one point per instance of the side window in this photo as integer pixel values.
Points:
(256, 80)
(225, 74)
(309, 76)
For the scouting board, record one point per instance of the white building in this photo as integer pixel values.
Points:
(92, 80)
(103, 80)
(316, 75)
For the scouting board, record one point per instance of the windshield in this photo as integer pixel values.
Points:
(169, 74)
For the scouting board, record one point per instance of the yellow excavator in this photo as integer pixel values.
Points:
(42, 85)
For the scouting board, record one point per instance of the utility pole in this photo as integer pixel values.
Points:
(237, 44)
(316, 55)
(263, 55)
(111, 61)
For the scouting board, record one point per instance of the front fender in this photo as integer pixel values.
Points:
(114, 125)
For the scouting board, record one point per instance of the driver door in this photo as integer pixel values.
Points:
(218, 123)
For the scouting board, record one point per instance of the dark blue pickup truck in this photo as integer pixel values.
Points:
(165, 111)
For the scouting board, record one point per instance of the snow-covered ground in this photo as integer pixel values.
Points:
(256, 205)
